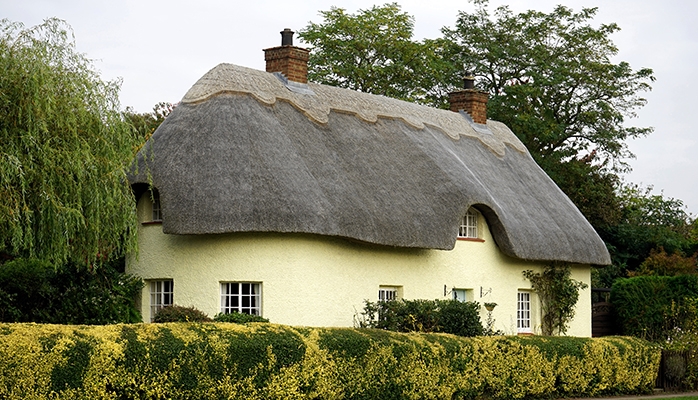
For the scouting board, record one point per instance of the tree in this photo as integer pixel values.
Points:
(558, 294)
(551, 80)
(648, 222)
(65, 148)
(373, 51)
(146, 123)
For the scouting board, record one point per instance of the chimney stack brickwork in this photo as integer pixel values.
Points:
(289, 60)
(472, 101)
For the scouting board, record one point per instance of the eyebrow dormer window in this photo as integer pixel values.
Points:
(468, 225)
(157, 211)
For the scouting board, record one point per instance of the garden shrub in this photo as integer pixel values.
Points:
(267, 361)
(654, 307)
(238, 318)
(175, 313)
(446, 316)
(37, 291)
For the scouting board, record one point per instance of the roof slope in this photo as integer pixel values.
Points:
(243, 153)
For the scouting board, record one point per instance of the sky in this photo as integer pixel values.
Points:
(160, 49)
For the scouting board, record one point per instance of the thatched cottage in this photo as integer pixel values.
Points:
(262, 193)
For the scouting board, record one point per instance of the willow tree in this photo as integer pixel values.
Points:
(65, 149)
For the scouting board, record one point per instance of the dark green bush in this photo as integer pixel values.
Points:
(460, 318)
(653, 307)
(238, 318)
(177, 313)
(36, 291)
(446, 316)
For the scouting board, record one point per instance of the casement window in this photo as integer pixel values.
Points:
(388, 293)
(161, 295)
(523, 312)
(242, 297)
(157, 211)
(468, 225)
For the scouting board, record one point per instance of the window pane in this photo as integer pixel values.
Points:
(242, 297)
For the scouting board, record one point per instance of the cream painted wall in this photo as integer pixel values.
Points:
(311, 280)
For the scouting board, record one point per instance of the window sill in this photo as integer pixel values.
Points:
(478, 240)
(159, 222)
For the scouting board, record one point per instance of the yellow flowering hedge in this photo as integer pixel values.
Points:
(266, 361)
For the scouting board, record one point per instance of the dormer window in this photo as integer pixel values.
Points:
(468, 225)
(157, 211)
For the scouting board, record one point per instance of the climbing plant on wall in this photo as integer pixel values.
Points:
(558, 294)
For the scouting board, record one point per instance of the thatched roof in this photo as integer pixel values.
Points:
(245, 152)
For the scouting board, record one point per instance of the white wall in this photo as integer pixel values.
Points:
(313, 280)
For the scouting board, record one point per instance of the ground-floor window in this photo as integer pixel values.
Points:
(242, 297)
(161, 295)
(388, 293)
(462, 295)
(523, 312)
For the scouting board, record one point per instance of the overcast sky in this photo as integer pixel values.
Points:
(160, 49)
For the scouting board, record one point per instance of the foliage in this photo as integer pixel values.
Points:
(447, 316)
(263, 361)
(661, 263)
(175, 313)
(558, 294)
(551, 80)
(656, 307)
(592, 189)
(648, 222)
(238, 318)
(373, 51)
(146, 123)
(65, 146)
(36, 291)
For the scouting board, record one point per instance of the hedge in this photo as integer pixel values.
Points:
(266, 361)
(652, 307)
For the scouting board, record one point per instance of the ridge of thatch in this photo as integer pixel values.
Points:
(237, 160)
(267, 88)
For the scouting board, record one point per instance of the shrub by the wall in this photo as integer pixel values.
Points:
(266, 361)
(446, 316)
(175, 313)
(238, 318)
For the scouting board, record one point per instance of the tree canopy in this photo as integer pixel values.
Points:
(373, 51)
(552, 81)
(65, 148)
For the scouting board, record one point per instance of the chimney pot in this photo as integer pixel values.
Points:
(468, 81)
(287, 37)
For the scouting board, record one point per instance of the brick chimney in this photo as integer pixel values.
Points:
(289, 60)
(470, 100)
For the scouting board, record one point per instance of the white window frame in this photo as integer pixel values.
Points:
(388, 293)
(468, 225)
(156, 207)
(161, 295)
(524, 312)
(242, 297)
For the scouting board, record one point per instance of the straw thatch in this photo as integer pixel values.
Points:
(243, 153)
